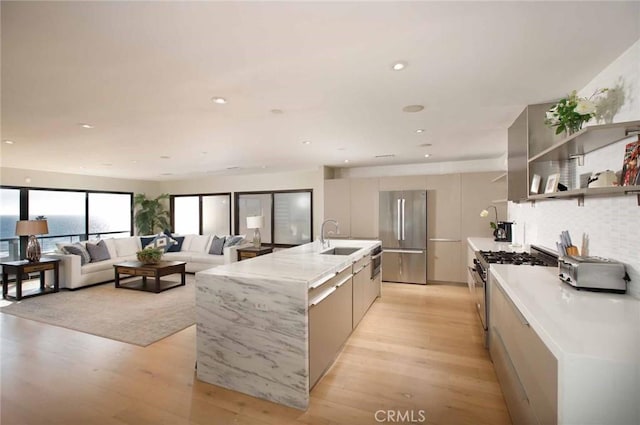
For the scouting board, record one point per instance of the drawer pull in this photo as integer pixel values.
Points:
(343, 281)
(323, 280)
(323, 297)
(523, 320)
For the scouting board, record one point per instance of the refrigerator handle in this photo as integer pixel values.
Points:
(399, 217)
(403, 200)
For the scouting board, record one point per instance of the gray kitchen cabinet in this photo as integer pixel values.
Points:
(364, 208)
(337, 205)
(526, 369)
(361, 289)
(403, 183)
(330, 324)
(444, 244)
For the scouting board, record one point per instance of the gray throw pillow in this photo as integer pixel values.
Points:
(217, 246)
(78, 249)
(233, 240)
(98, 252)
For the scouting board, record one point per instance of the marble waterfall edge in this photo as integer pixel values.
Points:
(252, 336)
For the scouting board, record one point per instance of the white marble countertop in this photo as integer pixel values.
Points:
(572, 323)
(488, 244)
(301, 263)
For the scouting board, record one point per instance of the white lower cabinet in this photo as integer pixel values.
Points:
(361, 292)
(526, 369)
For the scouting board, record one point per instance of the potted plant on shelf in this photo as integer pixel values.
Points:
(570, 113)
(151, 216)
(150, 255)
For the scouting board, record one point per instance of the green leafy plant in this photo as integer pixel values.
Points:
(570, 113)
(151, 214)
(150, 255)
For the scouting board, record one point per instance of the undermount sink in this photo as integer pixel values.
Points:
(340, 250)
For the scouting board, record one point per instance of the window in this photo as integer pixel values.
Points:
(109, 214)
(287, 215)
(65, 212)
(201, 214)
(9, 214)
(72, 215)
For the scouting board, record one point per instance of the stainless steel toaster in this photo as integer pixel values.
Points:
(594, 273)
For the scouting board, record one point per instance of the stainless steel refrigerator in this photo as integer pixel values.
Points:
(403, 231)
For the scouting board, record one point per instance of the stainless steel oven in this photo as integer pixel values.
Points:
(376, 262)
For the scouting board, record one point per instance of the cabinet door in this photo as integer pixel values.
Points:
(337, 205)
(364, 208)
(403, 183)
(360, 284)
(443, 206)
(443, 262)
(330, 324)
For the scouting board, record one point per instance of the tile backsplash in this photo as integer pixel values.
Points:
(605, 226)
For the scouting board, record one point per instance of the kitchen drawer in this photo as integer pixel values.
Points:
(136, 272)
(361, 263)
(319, 287)
(536, 366)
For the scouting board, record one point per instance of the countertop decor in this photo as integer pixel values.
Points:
(571, 112)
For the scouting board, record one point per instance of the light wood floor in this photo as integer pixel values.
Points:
(418, 348)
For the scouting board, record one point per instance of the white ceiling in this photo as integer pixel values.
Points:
(144, 73)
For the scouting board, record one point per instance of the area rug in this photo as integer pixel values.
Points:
(136, 317)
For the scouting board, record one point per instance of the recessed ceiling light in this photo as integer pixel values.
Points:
(264, 166)
(107, 164)
(413, 108)
(399, 66)
(133, 161)
(165, 157)
(277, 111)
(420, 130)
(85, 125)
(306, 142)
(166, 174)
(219, 100)
(389, 155)
(427, 155)
(9, 142)
(425, 145)
(340, 149)
(346, 160)
(235, 167)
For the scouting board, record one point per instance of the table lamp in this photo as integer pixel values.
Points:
(255, 222)
(31, 228)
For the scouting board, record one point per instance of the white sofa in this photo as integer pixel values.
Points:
(195, 252)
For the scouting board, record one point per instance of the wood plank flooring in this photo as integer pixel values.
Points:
(419, 348)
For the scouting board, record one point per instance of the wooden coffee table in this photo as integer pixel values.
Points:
(155, 271)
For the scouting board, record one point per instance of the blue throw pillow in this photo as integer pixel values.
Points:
(146, 240)
(162, 241)
(176, 247)
(217, 246)
(233, 240)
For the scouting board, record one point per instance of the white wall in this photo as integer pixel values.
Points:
(310, 179)
(611, 224)
(46, 179)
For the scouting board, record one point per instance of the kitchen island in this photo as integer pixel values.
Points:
(270, 326)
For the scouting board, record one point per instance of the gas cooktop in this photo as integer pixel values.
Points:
(516, 258)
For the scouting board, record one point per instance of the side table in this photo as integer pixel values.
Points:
(24, 267)
(250, 252)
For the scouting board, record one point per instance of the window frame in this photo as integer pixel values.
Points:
(172, 208)
(24, 211)
(236, 212)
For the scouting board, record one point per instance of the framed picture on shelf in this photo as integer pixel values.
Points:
(630, 174)
(552, 183)
(535, 184)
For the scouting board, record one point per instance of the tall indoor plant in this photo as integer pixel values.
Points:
(151, 215)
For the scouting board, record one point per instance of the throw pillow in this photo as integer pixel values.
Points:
(127, 247)
(146, 240)
(161, 241)
(78, 249)
(98, 252)
(233, 240)
(217, 246)
(176, 247)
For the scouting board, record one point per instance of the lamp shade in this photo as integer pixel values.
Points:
(31, 227)
(255, 222)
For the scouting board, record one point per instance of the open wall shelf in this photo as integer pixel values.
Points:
(589, 192)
